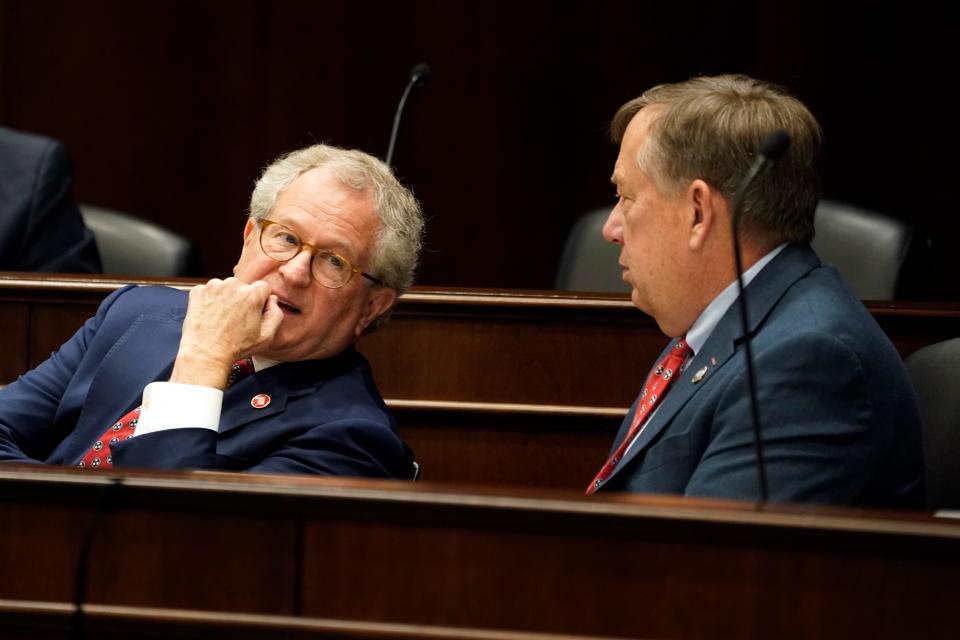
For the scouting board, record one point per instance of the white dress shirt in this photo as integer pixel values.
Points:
(172, 405)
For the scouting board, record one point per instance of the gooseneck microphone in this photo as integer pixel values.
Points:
(772, 149)
(418, 74)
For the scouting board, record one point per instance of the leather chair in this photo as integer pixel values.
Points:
(131, 246)
(590, 263)
(935, 372)
(867, 248)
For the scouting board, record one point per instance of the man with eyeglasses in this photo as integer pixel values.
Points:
(252, 373)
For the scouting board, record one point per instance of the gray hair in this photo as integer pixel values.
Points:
(711, 129)
(397, 245)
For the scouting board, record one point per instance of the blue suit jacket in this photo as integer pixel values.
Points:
(40, 226)
(324, 417)
(839, 418)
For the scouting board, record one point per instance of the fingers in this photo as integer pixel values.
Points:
(231, 291)
(259, 288)
(226, 319)
(272, 317)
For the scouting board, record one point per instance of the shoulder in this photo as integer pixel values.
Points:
(341, 390)
(18, 142)
(134, 300)
(820, 310)
(29, 166)
(343, 387)
(821, 343)
(334, 420)
(29, 150)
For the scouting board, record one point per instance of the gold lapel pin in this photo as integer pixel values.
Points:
(698, 376)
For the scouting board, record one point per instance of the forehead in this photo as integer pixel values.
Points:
(637, 164)
(319, 205)
(635, 136)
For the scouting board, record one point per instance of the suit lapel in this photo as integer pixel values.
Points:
(143, 354)
(238, 408)
(763, 292)
(280, 383)
(682, 390)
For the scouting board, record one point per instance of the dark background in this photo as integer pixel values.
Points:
(171, 109)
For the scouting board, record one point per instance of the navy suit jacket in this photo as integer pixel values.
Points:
(838, 414)
(40, 226)
(325, 416)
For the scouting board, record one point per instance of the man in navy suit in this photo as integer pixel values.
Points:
(332, 239)
(40, 226)
(838, 415)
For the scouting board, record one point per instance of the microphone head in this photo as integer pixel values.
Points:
(420, 72)
(775, 145)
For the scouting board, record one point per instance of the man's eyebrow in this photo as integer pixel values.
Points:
(335, 245)
(339, 248)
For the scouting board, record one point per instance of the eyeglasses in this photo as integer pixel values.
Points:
(330, 269)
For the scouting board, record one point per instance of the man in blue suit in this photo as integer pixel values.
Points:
(256, 372)
(40, 226)
(838, 416)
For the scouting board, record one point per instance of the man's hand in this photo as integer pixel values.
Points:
(226, 320)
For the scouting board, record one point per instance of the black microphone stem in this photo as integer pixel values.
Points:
(417, 75)
(772, 149)
(396, 122)
(751, 375)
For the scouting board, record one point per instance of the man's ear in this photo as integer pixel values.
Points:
(378, 303)
(704, 212)
(248, 228)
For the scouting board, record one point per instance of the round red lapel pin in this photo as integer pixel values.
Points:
(260, 401)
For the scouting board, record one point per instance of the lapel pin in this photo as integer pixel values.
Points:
(698, 376)
(260, 401)
(713, 361)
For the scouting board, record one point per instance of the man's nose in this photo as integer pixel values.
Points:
(296, 270)
(613, 227)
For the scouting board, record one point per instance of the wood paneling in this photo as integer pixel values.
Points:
(15, 340)
(509, 347)
(520, 348)
(536, 447)
(55, 621)
(397, 553)
(492, 387)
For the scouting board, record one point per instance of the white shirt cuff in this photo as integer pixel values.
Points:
(171, 405)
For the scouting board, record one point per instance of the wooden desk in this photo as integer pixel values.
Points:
(487, 386)
(456, 559)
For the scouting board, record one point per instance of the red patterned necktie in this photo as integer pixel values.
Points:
(240, 369)
(654, 390)
(123, 429)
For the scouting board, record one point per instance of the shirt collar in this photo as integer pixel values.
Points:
(704, 325)
(260, 363)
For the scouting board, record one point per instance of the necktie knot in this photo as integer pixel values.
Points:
(654, 389)
(240, 370)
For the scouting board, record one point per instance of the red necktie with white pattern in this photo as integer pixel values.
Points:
(123, 429)
(654, 389)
